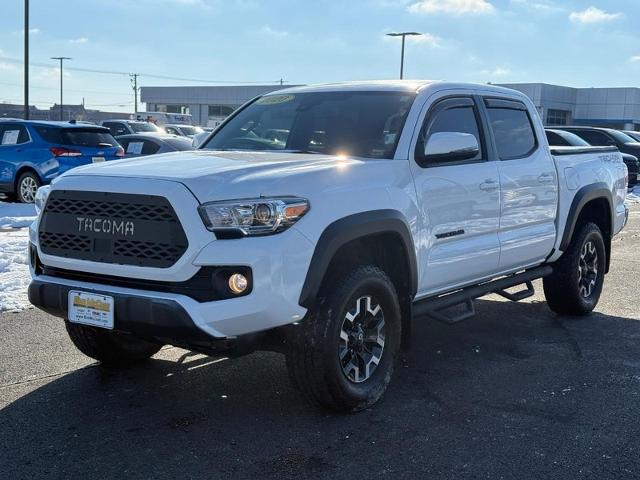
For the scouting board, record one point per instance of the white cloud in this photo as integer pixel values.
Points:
(593, 15)
(426, 38)
(32, 31)
(267, 30)
(497, 72)
(455, 7)
(635, 59)
(79, 40)
(540, 5)
(6, 66)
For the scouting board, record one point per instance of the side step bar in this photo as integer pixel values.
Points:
(434, 306)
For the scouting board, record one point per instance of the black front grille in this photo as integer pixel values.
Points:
(63, 241)
(105, 227)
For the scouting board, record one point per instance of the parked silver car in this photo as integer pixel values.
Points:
(141, 144)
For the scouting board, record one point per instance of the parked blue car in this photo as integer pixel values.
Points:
(32, 153)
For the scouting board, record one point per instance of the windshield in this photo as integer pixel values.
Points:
(188, 130)
(622, 137)
(360, 123)
(140, 127)
(81, 137)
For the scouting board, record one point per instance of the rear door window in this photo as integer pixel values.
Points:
(512, 128)
(13, 134)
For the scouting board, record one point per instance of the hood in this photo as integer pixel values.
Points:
(216, 175)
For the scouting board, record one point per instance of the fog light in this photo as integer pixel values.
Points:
(238, 283)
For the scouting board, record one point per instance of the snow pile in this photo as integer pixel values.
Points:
(16, 215)
(14, 270)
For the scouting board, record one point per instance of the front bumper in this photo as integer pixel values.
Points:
(278, 264)
(159, 319)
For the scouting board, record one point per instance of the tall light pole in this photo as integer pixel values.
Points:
(134, 85)
(403, 35)
(26, 59)
(61, 59)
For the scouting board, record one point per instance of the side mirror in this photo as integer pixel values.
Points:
(450, 147)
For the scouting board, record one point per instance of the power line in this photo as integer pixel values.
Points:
(148, 75)
(40, 87)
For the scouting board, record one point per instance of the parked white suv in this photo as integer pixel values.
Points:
(318, 222)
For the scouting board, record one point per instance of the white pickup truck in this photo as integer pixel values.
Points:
(318, 222)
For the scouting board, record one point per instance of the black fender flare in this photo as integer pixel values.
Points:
(581, 198)
(353, 227)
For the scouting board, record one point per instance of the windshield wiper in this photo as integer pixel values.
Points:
(314, 152)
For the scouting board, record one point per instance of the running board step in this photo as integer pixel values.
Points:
(435, 307)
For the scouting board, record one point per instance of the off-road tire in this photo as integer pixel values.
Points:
(313, 357)
(33, 181)
(112, 349)
(562, 288)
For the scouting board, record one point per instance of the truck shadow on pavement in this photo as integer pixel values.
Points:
(516, 392)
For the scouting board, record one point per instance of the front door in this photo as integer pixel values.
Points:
(460, 201)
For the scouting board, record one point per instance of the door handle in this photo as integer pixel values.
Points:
(489, 185)
(546, 178)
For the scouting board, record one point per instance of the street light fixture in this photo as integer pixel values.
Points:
(403, 35)
(61, 59)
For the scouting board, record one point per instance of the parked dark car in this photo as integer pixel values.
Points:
(603, 137)
(141, 144)
(632, 134)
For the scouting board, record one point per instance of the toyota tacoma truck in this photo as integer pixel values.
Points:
(376, 204)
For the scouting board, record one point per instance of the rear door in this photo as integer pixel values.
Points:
(460, 200)
(528, 184)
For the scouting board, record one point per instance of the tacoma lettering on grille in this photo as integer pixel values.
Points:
(105, 227)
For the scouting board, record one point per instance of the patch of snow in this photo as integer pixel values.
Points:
(16, 215)
(14, 270)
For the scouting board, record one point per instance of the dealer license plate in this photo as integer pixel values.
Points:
(91, 309)
(97, 159)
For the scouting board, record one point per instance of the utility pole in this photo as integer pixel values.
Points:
(134, 85)
(403, 35)
(26, 59)
(61, 59)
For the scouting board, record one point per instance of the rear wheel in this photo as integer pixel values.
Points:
(27, 186)
(341, 357)
(575, 286)
(110, 348)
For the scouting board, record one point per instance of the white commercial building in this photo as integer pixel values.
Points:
(603, 107)
(208, 105)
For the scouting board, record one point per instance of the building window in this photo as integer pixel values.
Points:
(558, 117)
(220, 110)
(166, 108)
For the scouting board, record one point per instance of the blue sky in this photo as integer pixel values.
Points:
(578, 43)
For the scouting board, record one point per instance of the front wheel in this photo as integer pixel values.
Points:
(342, 355)
(27, 186)
(575, 286)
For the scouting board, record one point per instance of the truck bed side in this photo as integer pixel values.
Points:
(585, 174)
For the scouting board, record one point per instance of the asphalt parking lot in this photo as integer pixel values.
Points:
(516, 392)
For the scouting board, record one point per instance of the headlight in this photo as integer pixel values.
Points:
(41, 198)
(257, 216)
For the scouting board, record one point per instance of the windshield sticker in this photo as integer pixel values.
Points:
(135, 148)
(274, 99)
(10, 137)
